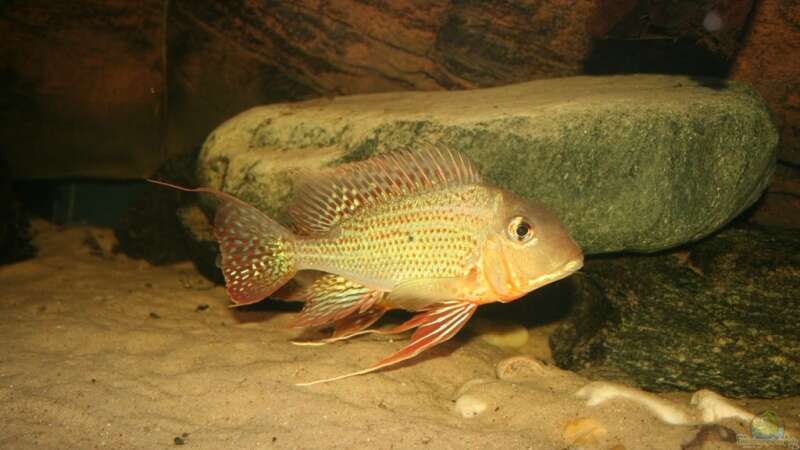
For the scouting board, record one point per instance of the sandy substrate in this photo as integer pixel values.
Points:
(101, 351)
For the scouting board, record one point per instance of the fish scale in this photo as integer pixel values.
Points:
(420, 236)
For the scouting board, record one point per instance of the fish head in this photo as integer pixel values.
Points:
(526, 248)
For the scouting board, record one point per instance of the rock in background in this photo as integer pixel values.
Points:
(150, 228)
(770, 61)
(780, 205)
(753, 41)
(637, 163)
(722, 315)
(106, 88)
(226, 57)
(83, 89)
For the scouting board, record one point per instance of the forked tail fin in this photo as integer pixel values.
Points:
(257, 252)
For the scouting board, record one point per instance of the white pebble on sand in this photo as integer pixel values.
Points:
(470, 406)
(501, 334)
(712, 21)
(520, 367)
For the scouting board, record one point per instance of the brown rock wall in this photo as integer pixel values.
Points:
(109, 88)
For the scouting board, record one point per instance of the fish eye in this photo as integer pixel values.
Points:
(520, 230)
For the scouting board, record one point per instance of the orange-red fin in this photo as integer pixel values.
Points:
(354, 324)
(326, 198)
(434, 326)
(257, 256)
(333, 298)
(350, 326)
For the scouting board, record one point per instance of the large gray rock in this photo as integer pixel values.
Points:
(637, 163)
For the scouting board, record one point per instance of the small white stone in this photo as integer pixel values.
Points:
(712, 21)
(520, 367)
(584, 432)
(501, 334)
(470, 406)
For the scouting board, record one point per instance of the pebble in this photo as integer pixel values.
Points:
(469, 385)
(501, 334)
(519, 367)
(470, 406)
(584, 431)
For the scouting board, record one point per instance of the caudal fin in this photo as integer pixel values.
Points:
(257, 252)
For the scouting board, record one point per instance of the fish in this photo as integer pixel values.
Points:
(413, 229)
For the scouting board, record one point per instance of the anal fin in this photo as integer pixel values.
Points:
(433, 326)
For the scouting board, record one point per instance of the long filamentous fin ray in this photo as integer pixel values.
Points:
(351, 326)
(434, 326)
(332, 339)
(257, 256)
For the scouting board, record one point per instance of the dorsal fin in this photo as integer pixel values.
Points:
(325, 198)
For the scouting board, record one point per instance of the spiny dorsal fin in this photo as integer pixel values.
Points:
(327, 197)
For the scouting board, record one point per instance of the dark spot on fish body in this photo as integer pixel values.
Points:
(410, 237)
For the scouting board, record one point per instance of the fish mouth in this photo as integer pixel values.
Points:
(562, 272)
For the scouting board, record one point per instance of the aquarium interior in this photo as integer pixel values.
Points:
(673, 158)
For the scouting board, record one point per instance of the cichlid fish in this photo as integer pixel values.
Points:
(412, 230)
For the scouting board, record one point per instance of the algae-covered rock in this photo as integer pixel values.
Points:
(723, 315)
(638, 163)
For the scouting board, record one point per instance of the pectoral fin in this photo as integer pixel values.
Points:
(332, 298)
(434, 326)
